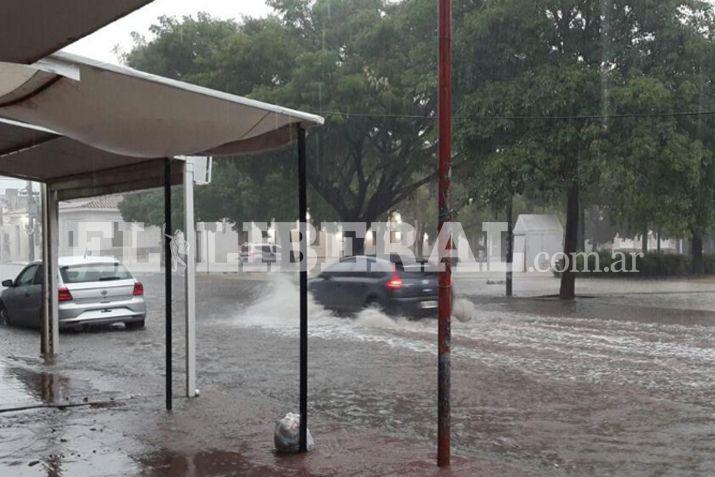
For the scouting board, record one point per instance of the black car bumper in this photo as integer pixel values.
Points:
(413, 307)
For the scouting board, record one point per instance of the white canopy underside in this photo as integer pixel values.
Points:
(130, 113)
(88, 128)
(33, 29)
(72, 168)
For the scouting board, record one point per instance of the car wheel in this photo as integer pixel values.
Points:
(4, 317)
(134, 325)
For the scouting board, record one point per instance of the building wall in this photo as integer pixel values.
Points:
(15, 240)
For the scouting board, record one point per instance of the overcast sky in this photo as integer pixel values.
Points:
(100, 45)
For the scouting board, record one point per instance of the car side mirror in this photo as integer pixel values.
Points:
(324, 276)
(8, 283)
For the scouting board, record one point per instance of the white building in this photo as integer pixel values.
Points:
(17, 231)
(534, 235)
(95, 226)
(667, 245)
(90, 226)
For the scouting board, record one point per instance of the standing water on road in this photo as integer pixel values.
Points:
(563, 384)
(617, 383)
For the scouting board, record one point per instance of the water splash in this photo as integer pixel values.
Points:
(655, 355)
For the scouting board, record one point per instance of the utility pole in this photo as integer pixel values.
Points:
(444, 333)
(30, 229)
(303, 283)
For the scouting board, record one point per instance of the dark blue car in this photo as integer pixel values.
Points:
(360, 282)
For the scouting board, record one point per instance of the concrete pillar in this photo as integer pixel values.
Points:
(190, 279)
(50, 248)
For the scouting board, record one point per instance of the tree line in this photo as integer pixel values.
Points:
(599, 110)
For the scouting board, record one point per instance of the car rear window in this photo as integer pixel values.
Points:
(94, 272)
(419, 269)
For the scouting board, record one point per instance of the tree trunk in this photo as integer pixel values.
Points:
(238, 240)
(509, 246)
(658, 243)
(419, 239)
(582, 228)
(358, 242)
(697, 253)
(568, 277)
(644, 240)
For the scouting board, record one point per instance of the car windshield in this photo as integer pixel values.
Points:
(94, 272)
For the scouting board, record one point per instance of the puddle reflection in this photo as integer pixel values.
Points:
(24, 387)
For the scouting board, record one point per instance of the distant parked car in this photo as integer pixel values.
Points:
(360, 282)
(257, 253)
(92, 291)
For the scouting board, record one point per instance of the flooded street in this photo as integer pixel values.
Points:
(620, 382)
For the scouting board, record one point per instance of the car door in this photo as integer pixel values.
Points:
(355, 285)
(350, 284)
(33, 310)
(17, 299)
(364, 282)
(328, 288)
(10, 298)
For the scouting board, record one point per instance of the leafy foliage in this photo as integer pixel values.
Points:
(322, 57)
(567, 105)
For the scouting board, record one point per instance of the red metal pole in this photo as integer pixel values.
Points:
(445, 215)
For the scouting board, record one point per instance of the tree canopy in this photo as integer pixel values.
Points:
(344, 59)
(576, 105)
(591, 103)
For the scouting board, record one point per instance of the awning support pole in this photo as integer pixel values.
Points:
(167, 278)
(444, 334)
(303, 211)
(50, 244)
(190, 282)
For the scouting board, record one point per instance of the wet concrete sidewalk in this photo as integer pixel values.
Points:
(28, 383)
(50, 426)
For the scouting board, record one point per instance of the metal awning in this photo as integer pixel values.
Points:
(33, 29)
(73, 169)
(131, 113)
(96, 128)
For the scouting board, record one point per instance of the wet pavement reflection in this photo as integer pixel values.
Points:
(201, 464)
(619, 383)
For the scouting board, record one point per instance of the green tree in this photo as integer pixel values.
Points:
(544, 78)
(367, 65)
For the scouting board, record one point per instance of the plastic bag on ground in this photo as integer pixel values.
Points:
(463, 310)
(287, 434)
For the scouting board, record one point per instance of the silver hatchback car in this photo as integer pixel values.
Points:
(92, 291)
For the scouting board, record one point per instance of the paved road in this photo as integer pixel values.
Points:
(620, 383)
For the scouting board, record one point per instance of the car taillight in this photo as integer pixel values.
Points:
(138, 289)
(394, 282)
(64, 294)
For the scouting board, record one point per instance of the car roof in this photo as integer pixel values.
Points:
(369, 258)
(68, 261)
